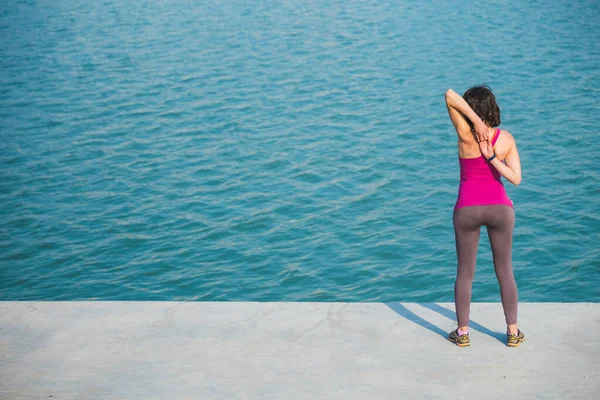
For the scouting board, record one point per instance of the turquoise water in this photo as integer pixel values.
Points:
(287, 151)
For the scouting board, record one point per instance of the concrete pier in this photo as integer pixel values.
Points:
(230, 350)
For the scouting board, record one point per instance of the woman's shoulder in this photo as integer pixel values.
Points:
(506, 136)
(506, 141)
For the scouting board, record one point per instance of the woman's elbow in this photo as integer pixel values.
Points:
(516, 181)
(449, 97)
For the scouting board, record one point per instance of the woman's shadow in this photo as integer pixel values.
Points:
(409, 315)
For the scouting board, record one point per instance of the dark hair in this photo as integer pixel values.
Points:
(483, 102)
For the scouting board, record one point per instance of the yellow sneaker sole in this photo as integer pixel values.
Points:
(459, 344)
(515, 344)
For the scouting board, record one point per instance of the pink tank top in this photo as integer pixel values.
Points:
(480, 182)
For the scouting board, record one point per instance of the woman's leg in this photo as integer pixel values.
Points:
(500, 223)
(466, 232)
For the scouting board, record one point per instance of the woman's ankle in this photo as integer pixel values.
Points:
(512, 329)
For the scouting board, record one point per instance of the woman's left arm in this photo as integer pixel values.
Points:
(458, 109)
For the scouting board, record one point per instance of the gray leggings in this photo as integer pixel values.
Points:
(500, 221)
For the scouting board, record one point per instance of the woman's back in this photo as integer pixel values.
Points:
(480, 183)
(469, 148)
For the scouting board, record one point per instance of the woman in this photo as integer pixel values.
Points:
(485, 153)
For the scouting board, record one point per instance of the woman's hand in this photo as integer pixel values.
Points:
(482, 132)
(487, 150)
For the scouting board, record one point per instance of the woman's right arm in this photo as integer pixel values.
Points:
(458, 110)
(510, 169)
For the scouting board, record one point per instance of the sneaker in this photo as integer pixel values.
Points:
(514, 340)
(459, 340)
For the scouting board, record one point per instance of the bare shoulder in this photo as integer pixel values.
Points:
(508, 135)
(506, 142)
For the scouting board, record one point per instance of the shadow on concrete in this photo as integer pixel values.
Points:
(411, 316)
(472, 324)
